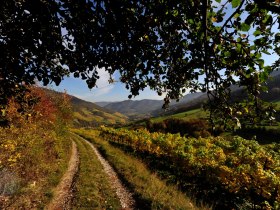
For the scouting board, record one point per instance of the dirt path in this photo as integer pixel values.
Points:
(63, 193)
(126, 199)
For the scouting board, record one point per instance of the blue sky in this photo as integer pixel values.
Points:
(104, 91)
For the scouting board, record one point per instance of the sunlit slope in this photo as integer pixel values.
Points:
(90, 114)
(187, 115)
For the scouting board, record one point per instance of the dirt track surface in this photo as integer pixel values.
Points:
(63, 193)
(126, 199)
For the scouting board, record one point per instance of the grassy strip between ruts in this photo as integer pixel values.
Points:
(92, 185)
(150, 191)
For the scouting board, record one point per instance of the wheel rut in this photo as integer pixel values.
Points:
(126, 198)
(63, 193)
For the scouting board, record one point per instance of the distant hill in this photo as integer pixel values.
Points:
(188, 98)
(90, 114)
(273, 85)
(188, 102)
(103, 103)
(272, 94)
(136, 108)
(194, 100)
(147, 108)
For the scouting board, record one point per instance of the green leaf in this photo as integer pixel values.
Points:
(235, 3)
(261, 62)
(236, 15)
(219, 1)
(253, 47)
(277, 37)
(175, 13)
(257, 33)
(238, 48)
(258, 55)
(191, 21)
(245, 27)
(264, 75)
(266, 52)
(227, 54)
(267, 69)
(268, 20)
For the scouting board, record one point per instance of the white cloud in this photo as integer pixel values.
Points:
(103, 85)
(104, 77)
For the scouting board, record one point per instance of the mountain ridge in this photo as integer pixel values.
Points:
(89, 114)
(149, 107)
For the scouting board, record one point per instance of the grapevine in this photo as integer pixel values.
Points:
(242, 168)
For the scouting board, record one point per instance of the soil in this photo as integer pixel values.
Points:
(63, 193)
(126, 198)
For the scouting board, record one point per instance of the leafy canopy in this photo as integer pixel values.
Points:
(170, 46)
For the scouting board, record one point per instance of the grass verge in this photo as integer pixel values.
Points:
(93, 190)
(150, 192)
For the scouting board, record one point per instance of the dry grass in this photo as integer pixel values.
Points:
(93, 188)
(150, 191)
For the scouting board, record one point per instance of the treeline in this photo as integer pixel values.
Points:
(201, 128)
(264, 135)
(193, 127)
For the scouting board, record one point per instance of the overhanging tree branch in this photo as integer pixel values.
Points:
(265, 5)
